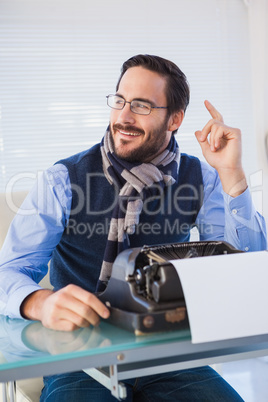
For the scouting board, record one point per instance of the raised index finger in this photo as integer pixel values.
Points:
(213, 111)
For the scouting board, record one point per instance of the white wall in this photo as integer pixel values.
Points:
(258, 31)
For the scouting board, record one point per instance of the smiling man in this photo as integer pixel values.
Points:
(142, 127)
(133, 188)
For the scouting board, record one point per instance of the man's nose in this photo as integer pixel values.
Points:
(125, 115)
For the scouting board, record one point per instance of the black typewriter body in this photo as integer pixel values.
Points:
(144, 293)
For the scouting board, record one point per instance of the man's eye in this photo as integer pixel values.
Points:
(142, 105)
(119, 101)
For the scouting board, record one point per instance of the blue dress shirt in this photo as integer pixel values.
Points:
(43, 216)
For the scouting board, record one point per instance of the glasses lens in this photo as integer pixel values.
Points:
(140, 107)
(115, 102)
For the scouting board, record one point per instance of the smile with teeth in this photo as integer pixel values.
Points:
(128, 133)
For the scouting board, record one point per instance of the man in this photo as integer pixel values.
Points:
(125, 192)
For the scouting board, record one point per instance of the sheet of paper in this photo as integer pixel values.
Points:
(226, 295)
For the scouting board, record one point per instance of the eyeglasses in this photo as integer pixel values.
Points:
(136, 106)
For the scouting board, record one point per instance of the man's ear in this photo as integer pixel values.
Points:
(175, 120)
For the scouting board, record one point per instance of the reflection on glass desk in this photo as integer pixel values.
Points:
(30, 350)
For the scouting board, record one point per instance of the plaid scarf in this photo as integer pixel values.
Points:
(136, 182)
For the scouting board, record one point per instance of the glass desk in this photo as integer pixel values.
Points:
(30, 350)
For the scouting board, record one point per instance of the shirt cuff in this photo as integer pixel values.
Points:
(240, 206)
(17, 297)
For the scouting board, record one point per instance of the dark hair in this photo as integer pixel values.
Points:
(177, 88)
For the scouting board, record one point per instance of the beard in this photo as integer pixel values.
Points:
(144, 152)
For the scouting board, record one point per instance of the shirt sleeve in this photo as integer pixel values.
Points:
(33, 234)
(234, 220)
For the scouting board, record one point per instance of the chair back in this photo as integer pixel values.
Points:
(9, 205)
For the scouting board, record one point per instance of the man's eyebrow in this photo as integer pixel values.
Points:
(118, 94)
(138, 99)
(145, 100)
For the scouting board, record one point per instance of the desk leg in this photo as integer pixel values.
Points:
(12, 391)
(117, 389)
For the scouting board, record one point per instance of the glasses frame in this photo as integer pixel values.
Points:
(134, 100)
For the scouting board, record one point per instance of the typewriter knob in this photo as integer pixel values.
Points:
(140, 277)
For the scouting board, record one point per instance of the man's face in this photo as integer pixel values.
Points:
(140, 138)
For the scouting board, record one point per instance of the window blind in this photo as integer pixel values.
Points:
(58, 61)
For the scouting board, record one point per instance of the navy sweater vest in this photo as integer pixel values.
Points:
(166, 218)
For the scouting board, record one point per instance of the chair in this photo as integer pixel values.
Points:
(26, 390)
(9, 205)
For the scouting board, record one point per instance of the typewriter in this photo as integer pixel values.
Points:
(144, 293)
